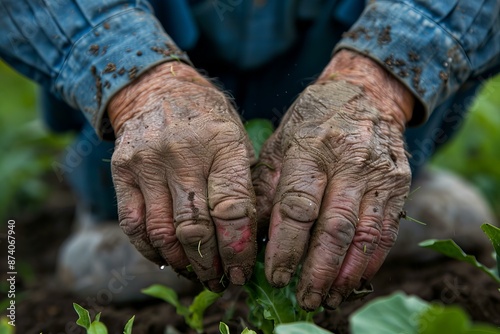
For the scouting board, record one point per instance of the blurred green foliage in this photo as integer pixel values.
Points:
(27, 149)
(475, 152)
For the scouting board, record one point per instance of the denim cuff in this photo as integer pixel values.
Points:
(419, 52)
(108, 58)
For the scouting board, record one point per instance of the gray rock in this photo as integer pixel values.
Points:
(451, 208)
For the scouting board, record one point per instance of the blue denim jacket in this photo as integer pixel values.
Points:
(85, 51)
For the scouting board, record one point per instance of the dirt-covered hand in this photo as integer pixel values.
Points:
(181, 169)
(333, 179)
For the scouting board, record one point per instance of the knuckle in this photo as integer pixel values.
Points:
(367, 236)
(119, 162)
(337, 236)
(225, 132)
(123, 162)
(132, 225)
(343, 211)
(300, 207)
(191, 233)
(231, 209)
(389, 236)
(160, 232)
(310, 132)
(190, 213)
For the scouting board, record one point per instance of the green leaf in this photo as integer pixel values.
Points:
(83, 316)
(438, 319)
(258, 131)
(300, 328)
(270, 307)
(97, 327)
(395, 314)
(493, 233)
(223, 328)
(402, 314)
(482, 329)
(451, 249)
(450, 319)
(193, 316)
(196, 310)
(248, 331)
(168, 295)
(97, 317)
(128, 326)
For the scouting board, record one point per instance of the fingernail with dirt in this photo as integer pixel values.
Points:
(237, 276)
(281, 277)
(333, 300)
(311, 301)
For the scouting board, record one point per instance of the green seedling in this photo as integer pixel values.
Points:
(96, 326)
(224, 329)
(193, 314)
(271, 307)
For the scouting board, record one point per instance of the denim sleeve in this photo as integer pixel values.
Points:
(433, 47)
(84, 51)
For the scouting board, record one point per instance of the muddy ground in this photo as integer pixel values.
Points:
(43, 307)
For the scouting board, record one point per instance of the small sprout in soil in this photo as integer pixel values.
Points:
(96, 326)
(193, 314)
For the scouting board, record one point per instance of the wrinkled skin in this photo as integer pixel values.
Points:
(333, 179)
(181, 169)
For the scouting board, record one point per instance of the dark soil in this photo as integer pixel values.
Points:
(43, 307)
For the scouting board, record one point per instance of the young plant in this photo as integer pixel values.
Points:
(451, 249)
(96, 326)
(271, 307)
(193, 314)
(224, 329)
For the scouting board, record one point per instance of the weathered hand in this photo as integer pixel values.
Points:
(333, 179)
(181, 169)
